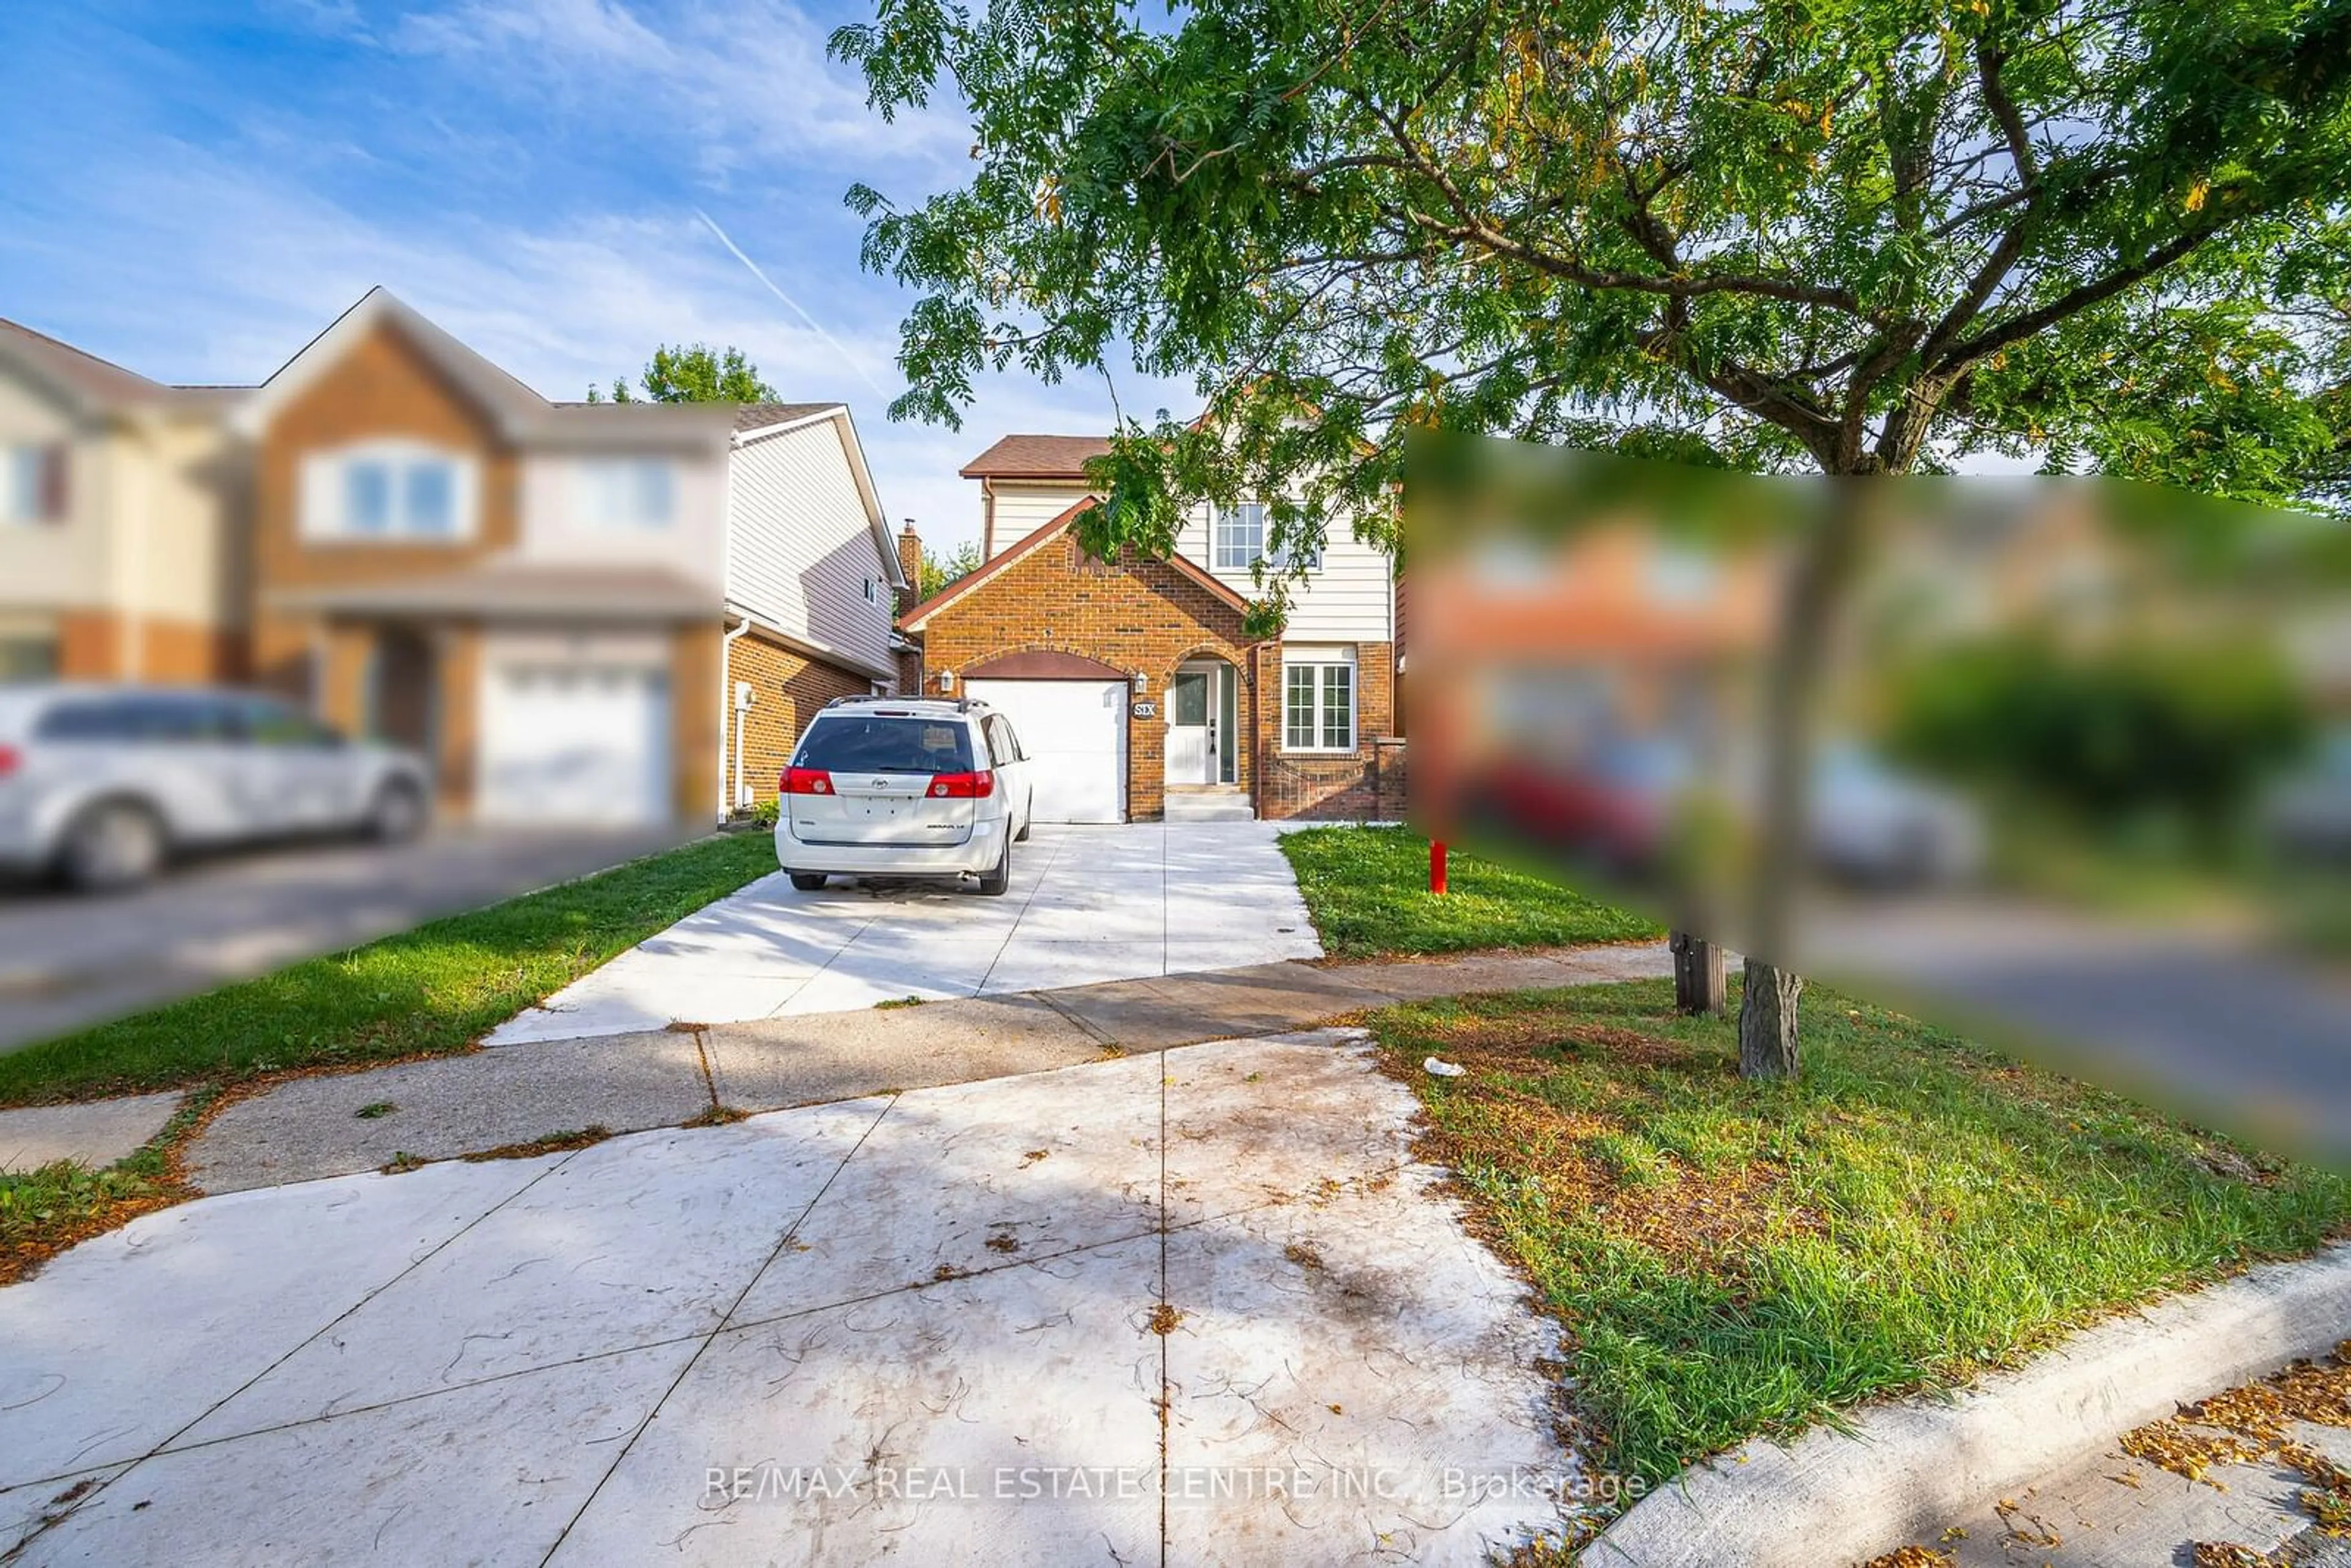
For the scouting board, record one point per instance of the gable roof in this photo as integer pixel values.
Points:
(751, 416)
(85, 380)
(913, 619)
(522, 415)
(1037, 457)
(518, 410)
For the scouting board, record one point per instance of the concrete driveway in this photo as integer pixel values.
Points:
(1191, 1307)
(1086, 904)
(67, 962)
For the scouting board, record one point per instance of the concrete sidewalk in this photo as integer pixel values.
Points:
(449, 1107)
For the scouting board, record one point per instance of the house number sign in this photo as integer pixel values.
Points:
(1147, 710)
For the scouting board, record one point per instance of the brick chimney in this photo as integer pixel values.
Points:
(910, 565)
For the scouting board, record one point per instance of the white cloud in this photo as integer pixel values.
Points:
(747, 79)
(189, 267)
(525, 173)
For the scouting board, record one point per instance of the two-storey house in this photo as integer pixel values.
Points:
(580, 612)
(1137, 678)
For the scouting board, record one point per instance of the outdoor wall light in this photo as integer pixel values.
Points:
(946, 680)
(1142, 682)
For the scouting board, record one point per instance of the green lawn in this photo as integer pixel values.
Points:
(431, 989)
(1367, 890)
(1732, 1258)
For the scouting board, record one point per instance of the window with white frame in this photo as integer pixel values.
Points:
(626, 493)
(1240, 537)
(1318, 699)
(1238, 541)
(33, 483)
(393, 491)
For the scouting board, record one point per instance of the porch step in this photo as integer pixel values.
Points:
(1209, 803)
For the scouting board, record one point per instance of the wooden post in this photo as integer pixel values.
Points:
(1436, 867)
(1699, 983)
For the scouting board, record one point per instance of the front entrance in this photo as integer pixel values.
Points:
(1203, 725)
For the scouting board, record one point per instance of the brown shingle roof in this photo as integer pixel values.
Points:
(1037, 457)
(759, 415)
(81, 372)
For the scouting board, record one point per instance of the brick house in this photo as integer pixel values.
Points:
(616, 613)
(1138, 678)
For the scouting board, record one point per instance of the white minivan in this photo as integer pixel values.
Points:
(103, 784)
(896, 787)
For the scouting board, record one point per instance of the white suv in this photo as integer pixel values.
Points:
(895, 787)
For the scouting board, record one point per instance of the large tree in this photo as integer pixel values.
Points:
(696, 374)
(1856, 237)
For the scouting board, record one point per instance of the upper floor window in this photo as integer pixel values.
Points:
(33, 483)
(1240, 536)
(628, 492)
(1239, 540)
(389, 490)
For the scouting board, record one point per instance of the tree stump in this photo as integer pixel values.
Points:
(1766, 1021)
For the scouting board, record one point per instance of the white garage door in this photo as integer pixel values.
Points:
(1074, 733)
(575, 744)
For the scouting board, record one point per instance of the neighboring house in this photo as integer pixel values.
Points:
(1137, 677)
(580, 612)
(119, 557)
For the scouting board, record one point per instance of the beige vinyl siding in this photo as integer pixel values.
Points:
(800, 547)
(54, 565)
(1023, 508)
(188, 545)
(558, 525)
(1350, 598)
(147, 529)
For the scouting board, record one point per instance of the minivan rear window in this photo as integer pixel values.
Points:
(858, 744)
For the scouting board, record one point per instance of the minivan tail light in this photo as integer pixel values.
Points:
(977, 786)
(805, 781)
(8, 761)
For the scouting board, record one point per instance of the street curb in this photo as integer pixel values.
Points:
(1906, 1470)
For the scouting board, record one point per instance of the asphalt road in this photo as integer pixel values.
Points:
(69, 961)
(2211, 1025)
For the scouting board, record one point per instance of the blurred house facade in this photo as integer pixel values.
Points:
(579, 613)
(119, 553)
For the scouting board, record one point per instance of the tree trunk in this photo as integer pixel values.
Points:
(1699, 983)
(1825, 565)
(1766, 1021)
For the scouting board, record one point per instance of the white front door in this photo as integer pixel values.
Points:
(1191, 728)
(575, 744)
(1074, 735)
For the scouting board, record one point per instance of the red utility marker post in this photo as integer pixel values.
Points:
(1436, 867)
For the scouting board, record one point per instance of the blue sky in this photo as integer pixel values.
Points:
(194, 188)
